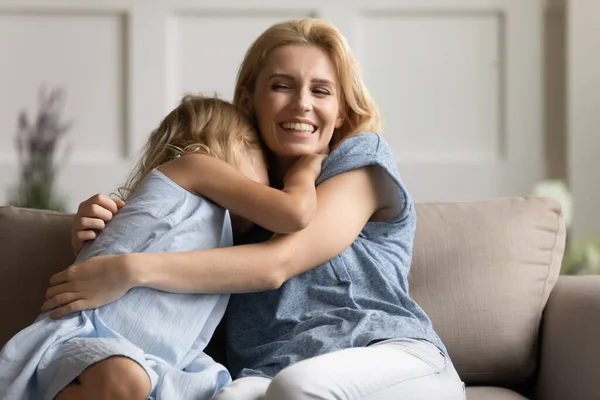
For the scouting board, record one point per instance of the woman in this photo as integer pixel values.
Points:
(323, 313)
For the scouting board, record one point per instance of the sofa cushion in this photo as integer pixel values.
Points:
(492, 393)
(33, 246)
(483, 272)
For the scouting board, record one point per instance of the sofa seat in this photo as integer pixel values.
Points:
(492, 393)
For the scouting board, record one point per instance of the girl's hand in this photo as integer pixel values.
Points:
(308, 166)
(89, 284)
(92, 215)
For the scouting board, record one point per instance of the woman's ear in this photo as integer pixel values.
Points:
(341, 115)
(246, 102)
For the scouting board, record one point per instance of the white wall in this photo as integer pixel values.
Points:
(555, 97)
(459, 82)
(583, 49)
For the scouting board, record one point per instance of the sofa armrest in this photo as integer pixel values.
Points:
(34, 244)
(570, 341)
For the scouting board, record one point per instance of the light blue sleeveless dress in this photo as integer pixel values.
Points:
(165, 333)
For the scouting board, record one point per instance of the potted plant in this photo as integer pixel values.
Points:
(582, 255)
(37, 144)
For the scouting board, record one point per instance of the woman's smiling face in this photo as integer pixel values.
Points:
(296, 101)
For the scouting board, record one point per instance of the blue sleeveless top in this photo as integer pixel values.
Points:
(359, 297)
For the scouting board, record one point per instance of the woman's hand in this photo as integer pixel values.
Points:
(89, 284)
(92, 215)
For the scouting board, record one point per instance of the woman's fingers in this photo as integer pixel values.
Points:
(83, 236)
(60, 277)
(92, 215)
(100, 200)
(70, 308)
(99, 206)
(98, 211)
(61, 300)
(59, 289)
(85, 223)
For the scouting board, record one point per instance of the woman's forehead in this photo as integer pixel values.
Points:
(300, 61)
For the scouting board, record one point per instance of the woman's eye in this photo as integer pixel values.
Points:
(279, 86)
(323, 92)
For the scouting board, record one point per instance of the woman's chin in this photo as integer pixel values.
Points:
(297, 150)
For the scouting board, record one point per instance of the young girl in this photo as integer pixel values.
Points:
(177, 199)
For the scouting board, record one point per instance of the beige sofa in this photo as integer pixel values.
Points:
(486, 272)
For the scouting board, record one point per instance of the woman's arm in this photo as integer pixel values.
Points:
(345, 203)
(283, 211)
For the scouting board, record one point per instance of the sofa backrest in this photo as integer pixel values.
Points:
(483, 272)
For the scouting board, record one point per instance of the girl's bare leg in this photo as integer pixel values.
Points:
(116, 378)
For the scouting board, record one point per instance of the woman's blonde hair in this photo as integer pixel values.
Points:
(360, 113)
(206, 125)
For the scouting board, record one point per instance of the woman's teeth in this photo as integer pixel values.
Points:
(296, 126)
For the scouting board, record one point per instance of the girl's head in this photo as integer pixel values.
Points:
(202, 125)
(301, 85)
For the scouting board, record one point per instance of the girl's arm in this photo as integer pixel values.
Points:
(346, 202)
(283, 211)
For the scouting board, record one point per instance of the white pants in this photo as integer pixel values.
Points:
(399, 369)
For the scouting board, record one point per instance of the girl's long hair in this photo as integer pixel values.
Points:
(206, 125)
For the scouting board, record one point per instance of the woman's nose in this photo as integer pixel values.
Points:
(302, 102)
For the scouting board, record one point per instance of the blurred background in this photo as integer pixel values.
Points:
(480, 98)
